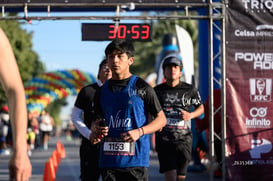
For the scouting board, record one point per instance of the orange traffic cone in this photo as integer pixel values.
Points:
(46, 176)
(58, 146)
(52, 169)
(63, 152)
(55, 159)
(49, 171)
(60, 149)
(58, 156)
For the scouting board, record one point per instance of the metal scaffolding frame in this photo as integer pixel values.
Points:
(216, 11)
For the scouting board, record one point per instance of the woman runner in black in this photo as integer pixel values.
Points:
(84, 106)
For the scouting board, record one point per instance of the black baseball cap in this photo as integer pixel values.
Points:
(175, 59)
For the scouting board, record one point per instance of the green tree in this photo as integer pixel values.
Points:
(27, 59)
(146, 52)
(54, 110)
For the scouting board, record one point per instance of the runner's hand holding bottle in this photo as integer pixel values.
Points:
(99, 130)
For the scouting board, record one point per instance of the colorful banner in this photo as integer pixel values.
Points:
(50, 86)
(249, 48)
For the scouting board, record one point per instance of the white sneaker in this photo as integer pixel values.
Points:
(7, 152)
(29, 152)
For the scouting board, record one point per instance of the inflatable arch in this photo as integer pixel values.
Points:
(50, 86)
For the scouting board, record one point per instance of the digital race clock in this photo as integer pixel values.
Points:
(103, 32)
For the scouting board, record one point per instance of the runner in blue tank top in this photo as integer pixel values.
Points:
(125, 102)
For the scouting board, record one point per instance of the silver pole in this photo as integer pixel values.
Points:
(211, 96)
(223, 92)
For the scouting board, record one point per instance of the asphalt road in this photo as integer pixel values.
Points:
(69, 167)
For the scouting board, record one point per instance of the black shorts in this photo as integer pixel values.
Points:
(174, 156)
(43, 133)
(125, 174)
(89, 161)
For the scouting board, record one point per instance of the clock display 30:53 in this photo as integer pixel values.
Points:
(129, 31)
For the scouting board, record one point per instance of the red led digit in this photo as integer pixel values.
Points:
(145, 32)
(112, 32)
(122, 32)
(135, 32)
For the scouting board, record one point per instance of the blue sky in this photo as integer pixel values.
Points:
(59, 46)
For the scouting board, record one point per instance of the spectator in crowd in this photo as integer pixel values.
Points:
(69, 128)
(46, 127)
(4, 129)
(32, 132)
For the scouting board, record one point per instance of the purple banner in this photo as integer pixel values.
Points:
(249, 90)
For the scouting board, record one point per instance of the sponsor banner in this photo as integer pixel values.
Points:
(244, 59)
(249, 129)
(252, 20)
(249, 90)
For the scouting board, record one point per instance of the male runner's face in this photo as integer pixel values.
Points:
(172, 72)
(119, 63)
